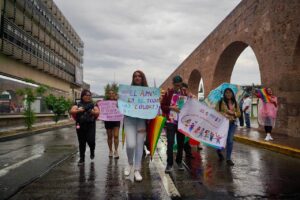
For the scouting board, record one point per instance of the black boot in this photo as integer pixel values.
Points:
(81, 161)
(92, 156)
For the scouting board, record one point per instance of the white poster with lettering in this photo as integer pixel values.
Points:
(203, 124)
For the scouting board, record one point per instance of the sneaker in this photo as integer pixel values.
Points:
(137, 175)
(180, 167)
(92, 156)
(127, 170)
(270, 137)
(116, 155)
(220, 155)
(168, 169)
(229, 163)
(146, 151)
(81, 162)
(267, 137)
(110, 154)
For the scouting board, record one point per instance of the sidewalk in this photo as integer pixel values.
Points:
(10, 133)
(282, 143)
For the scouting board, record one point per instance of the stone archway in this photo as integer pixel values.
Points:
(227, 60)
(194, 81)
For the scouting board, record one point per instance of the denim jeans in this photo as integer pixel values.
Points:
(135, 130)
(229, 146)
(247, 119)
(171, 131)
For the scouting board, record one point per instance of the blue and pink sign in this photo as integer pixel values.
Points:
(137, 101)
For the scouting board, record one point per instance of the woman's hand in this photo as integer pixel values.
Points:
(175, 108)
(191, 95)
(80, 109)
(75, 110)
(230, 112)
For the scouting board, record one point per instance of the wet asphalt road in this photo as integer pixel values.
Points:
(257, 174)
(24, 160)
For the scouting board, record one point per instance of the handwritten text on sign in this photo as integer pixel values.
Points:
(203, 124)
(109, 111)
(137, 101)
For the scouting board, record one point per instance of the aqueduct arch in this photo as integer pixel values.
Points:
(227, 60)
(271, 28)
(194, 81)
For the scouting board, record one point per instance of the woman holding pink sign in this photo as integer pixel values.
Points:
(112, 130)
(135, 129)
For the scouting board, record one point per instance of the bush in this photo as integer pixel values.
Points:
(30, 96)
(58, 105)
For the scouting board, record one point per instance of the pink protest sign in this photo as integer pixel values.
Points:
(109, 111)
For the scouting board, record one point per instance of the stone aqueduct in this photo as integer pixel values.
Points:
(272, 29)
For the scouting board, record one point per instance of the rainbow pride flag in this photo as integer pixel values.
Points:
(154, 130)
(262, 93)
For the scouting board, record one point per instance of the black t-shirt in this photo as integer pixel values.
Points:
(86, 116)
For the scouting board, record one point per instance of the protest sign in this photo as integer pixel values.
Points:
(109, 111)
(177, 100)
(204, 124)
(137, 101)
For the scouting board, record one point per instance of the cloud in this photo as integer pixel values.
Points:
(154, 36)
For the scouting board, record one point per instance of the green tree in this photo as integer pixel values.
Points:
(114, 86)
(58, 105)
(30, 96)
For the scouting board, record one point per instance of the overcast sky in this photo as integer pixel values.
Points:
(154, 36)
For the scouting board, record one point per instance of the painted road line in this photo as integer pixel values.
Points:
(166, 179)
(5, 170)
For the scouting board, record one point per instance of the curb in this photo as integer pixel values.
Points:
(20, 134)
(270, 146)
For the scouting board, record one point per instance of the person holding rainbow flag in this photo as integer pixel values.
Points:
(267, 110)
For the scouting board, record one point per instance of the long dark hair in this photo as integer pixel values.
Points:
(144, 80)
(84, 92)
(232, 98)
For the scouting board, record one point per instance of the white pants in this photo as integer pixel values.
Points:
(135, 130)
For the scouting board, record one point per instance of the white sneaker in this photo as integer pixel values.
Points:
(146, 151)
(127, 170)
(137, 176)
(110, 154)
(116, 155)
(268, 137)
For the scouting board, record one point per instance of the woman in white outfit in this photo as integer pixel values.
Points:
(135, 130)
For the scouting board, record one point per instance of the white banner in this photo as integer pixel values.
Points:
(203, 124)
